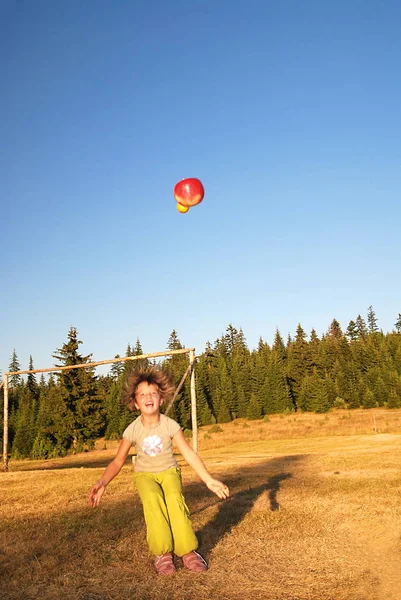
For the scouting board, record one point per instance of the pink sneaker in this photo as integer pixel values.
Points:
(194, 562)
(164, 564)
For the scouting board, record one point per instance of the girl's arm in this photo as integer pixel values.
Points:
(110, 472)
(195, 461)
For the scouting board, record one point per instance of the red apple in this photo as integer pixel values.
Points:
(189, 192)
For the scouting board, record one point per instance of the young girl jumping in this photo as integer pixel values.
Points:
(156, 472)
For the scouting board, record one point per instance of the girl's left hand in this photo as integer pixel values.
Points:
(218, 488)
(96, 493)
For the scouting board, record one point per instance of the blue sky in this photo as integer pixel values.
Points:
(289, 112)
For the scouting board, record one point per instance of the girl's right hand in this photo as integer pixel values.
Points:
(96, 493)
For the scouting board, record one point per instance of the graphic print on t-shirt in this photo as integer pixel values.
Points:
(152, 445)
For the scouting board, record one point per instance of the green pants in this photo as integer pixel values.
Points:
(169, 528)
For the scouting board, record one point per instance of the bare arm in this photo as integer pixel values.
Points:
(110, 472)
(195, 461)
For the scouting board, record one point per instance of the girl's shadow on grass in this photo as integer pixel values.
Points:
(232, 511)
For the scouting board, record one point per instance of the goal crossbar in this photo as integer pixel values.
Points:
(105, 362)
(190, 369)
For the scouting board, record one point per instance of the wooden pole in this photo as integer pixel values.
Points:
(193, 402)
(104, 362)
(177, 391)
(5, 423)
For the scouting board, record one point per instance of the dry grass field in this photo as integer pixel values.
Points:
(315, 514)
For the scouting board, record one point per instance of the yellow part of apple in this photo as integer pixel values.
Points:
(181, 208)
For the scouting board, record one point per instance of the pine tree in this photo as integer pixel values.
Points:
(53, 437)
(230, 338)
(397, 360)
(299, 363)
(340, 380)
(314, 347)
(352, 394)
(238, 366)
(314, 394)
(223, 415)
(394, 400)
(323, 403)
(25, 422)
(174, 341)
(371, 351)
(254, 411)
(361, 328)
(34, 393)
(334, 331)
(204, 396)
(275, 394)
(32, 384)
(381, 392)
(220, 347)
(330, 348)
(258, 365)
(177, 365)
(23, 438)
(114, 410)
(352, 331)
(116, 369)
(398, 324)
(279, 348)
(204, 413)
(227, 396)
(15, 393)
(14, 380)
(128, 364)
(306, 396)
(212, 391)
(79, 391)
(372, 321)
(242, 402)
(369, 399)
(330, 388)
(141, 363)
(360, 356)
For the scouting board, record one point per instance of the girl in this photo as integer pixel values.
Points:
(156, 473)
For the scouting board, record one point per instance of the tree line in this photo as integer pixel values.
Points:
(68, 411)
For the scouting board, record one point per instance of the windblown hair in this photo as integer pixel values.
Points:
(152, 375)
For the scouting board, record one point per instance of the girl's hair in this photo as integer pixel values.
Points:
(153, 376)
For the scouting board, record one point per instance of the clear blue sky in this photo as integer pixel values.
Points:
(289, 112)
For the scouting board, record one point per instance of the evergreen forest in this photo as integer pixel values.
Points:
(69, 410)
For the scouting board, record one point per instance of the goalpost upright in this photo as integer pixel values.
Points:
(190, 369)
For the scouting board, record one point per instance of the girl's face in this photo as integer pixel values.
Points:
(147, 398)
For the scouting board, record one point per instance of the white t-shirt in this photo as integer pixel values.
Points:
(153, 444)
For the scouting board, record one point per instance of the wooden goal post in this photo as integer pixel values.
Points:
(190, 370)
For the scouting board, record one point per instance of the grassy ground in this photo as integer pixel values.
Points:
(315, 514)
